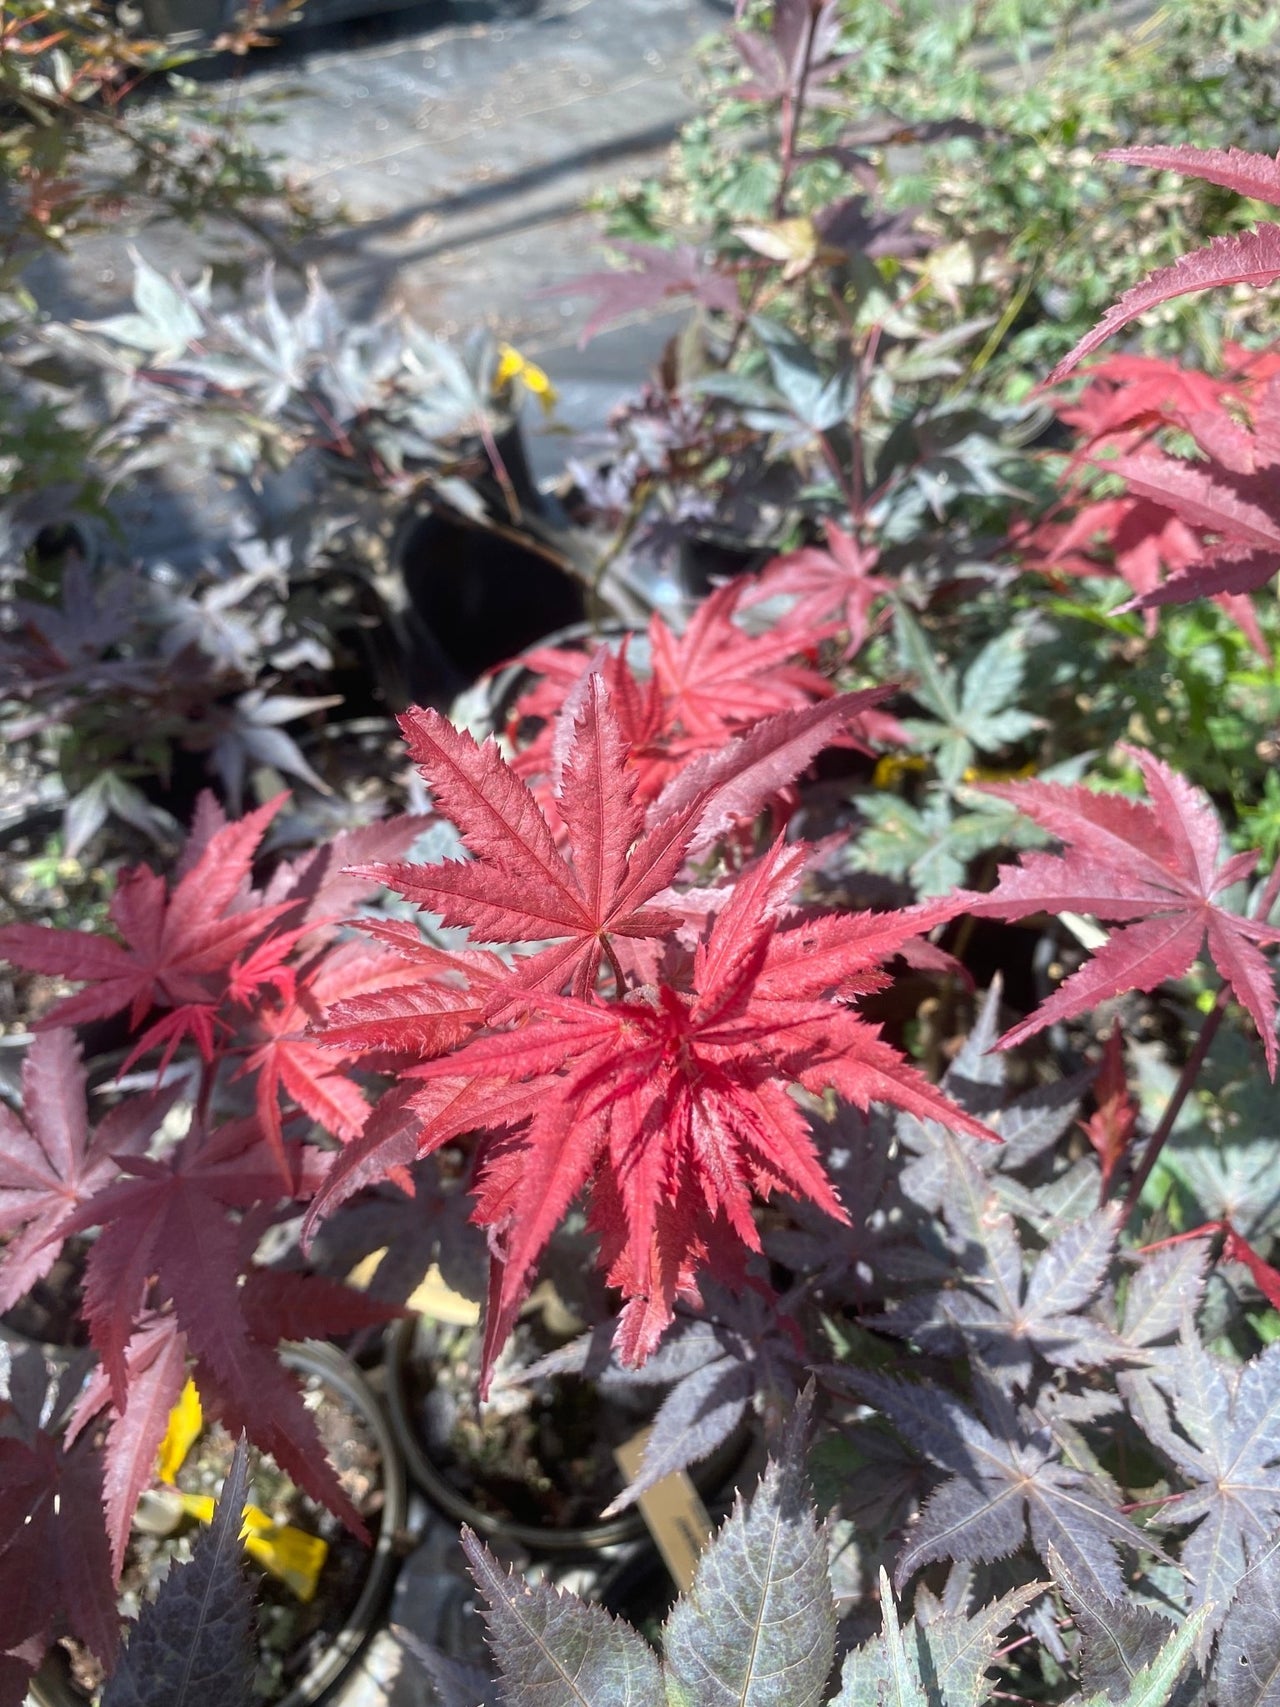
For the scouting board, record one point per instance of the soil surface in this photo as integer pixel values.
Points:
(541, 1454)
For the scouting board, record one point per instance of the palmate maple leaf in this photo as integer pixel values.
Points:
(523, 886)
(1185, 529)
(835, 583)
(1155, 862)
(1007, 1477)
(1219, 1425)
(655, 274)
(715, 679)
(674, 1106)
(177, 944)
(167, 1239)
(520, 887)
(50, 1163)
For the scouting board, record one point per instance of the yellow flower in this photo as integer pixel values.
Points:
(512, 365)
(893, 766)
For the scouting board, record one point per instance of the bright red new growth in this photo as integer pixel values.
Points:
(1111, 1126)
(666, 1094)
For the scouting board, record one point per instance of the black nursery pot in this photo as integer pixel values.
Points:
(53, 1685)
(477, 595)
(460, 1492)
(446, 1484)
(707, 559)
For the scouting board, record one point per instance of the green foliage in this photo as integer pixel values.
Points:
(757, 1629)
(1029, 229)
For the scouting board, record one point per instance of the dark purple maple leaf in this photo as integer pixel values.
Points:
(55, 1568)
(51, 1163)
(177, 943)
(167, 1239)
(656, 274)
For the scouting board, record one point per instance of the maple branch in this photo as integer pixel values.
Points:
(1186, 1080)
(790, 117)
(1196, 1059)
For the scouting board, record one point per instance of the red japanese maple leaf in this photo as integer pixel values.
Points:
(167, 1239)
(51, 1163)
(156, 1360)
(660, 749)
(826, 585)
(520, 887)
(277, 1304)
(715, 678)
(287, 1061)
(1155, 862)
(1185, 529)
(177, 945)
(436, 1000)
(1128, 393)
(675, 1107)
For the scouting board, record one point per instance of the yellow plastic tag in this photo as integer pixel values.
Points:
(676, 1517)
(291, 1555)
(186, 1420)
(512, 365)
(436, 1299)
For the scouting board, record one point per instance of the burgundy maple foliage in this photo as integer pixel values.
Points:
(1153, 866)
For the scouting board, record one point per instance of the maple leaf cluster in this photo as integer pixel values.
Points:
(1186, 527)
(646, 1049)
(717, 681)
(647, 1018)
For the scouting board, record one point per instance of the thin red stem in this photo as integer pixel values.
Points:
(1181, 1091)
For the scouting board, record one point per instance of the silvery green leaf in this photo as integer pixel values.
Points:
(1163, 1292)
(553, 1648)
(935, 686)
(1221, 1429)
(885, 1672)
(957, 1647)
(758, 1627)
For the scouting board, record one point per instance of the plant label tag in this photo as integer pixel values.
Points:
(676, 1517)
